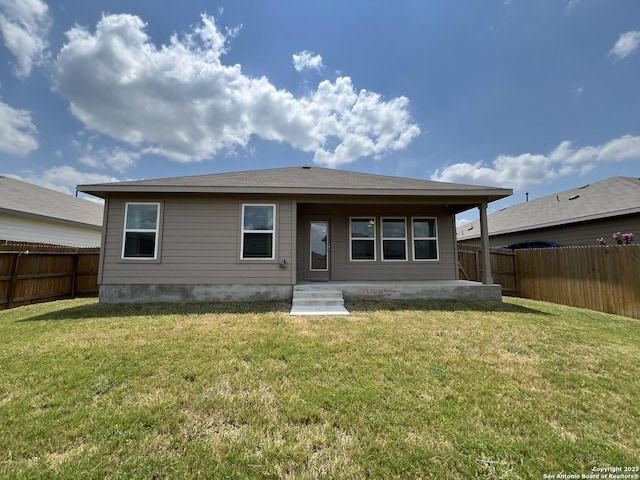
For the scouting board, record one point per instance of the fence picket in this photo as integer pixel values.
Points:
(32, 273)
(604, 278)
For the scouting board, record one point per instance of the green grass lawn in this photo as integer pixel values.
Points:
(402, 390)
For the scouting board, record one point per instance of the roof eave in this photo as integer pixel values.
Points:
(540, 226)
(104, 190)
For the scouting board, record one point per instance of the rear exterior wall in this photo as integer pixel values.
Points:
(199, 244)
(343, 269)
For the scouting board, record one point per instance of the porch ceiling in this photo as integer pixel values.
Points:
(454, 205)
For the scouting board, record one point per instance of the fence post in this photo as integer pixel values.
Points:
(487, 279)
(76, 260)
(515, 274)
(14, 280)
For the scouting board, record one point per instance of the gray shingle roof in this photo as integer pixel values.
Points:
(607, 198)
(27, 199)
(298, 180)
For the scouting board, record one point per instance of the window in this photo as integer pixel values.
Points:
(258, 232)
(425, 239)
(394, 239)
(362, 234)
(141, 222)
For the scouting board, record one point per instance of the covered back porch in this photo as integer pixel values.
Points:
(397, 245)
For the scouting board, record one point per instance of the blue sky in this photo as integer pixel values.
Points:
(535, 95)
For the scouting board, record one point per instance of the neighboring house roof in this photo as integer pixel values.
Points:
(300, 180)
(612, 197)
(25, 199)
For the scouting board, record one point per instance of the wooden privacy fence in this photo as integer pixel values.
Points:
(28, 276)
(603, 278)
(470, 267)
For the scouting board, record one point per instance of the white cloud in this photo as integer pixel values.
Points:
(306, 60)
(17, 132)
(462, 221)
(528, 169)
(116, 158)
(182, 102)
(627, 43)
(63, 178)
(25, 25)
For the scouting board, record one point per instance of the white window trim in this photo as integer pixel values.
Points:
(272, 231)
(126, 230)
(374, 238)
(383, 238)
(414, 238)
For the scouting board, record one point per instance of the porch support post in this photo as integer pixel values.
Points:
(294, 241)
(487, 279)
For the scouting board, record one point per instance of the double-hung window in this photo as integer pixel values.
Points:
(258, 240)
(394, 239)
(425, 239)
(362, 238)
(141, 225)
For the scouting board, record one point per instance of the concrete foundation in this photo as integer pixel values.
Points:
(193, 293)
(382, 291)
(351, 291)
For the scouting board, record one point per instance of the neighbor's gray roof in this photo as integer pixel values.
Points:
(22, 198)
(607, 198)
(299, 180)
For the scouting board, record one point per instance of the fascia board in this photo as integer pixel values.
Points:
(101, 190)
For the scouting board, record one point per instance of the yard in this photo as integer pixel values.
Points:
(406, 390)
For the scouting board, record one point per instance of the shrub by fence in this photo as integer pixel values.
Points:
(31, 273)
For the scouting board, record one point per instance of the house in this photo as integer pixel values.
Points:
(255, 235)
(29, 213)
(578, 216)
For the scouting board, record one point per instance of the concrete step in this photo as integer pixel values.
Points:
(320, 295)
(318, 301)
(317, 293)
(328, 298)
(312, 300)
(318, 310)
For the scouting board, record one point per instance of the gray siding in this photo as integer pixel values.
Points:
(342, 269)
(199, 243)
(585, 233)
